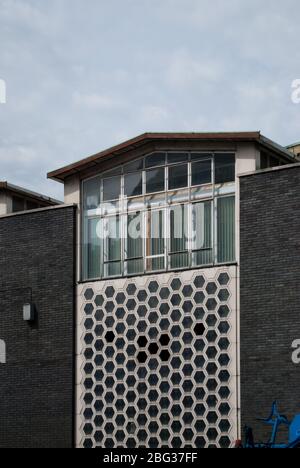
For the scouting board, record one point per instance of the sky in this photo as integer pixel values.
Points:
(83, 75)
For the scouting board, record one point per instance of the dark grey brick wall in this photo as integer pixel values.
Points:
(37, 383)
(270, 294)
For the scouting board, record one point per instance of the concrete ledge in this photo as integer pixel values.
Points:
(270, 169)
(38, 210)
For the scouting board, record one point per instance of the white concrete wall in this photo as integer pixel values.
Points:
(86, 298)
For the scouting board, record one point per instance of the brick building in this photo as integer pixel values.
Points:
(156, 293)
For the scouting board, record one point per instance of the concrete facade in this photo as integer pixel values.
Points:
(157, 361)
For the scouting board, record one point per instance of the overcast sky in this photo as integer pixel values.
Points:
(83, 75)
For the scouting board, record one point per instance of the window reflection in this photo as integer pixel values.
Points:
(111, 188)
(201, 172)
(180, 204)
(155, 180)
(178, 176)
(133, 184)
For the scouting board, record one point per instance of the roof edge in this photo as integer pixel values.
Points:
(63, 172)
(4, 185)
(38, 210)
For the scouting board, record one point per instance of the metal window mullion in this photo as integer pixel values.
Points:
(101, 192)
(214, 214)
(145, 227)
(124, 247)
(167, 238)
(190, 233)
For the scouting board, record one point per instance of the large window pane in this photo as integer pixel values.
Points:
(178, 228)
(156, 264)
(155, 180)
(134, 267)
(202, 234)
(156, 159)
(179, 236)
(174, 158)
(226, 229)
(178, 177)
(91, 193)
(18, 204)
(112, 246)
(198, 156)
(134, 166)
(111, 188)
(155, 240)
(156, 233)
(134, 236)
(133, 184)
(92, 250)
(264, 160)
(112, 269)
(224, 168)
(202, 172)
(179, 260)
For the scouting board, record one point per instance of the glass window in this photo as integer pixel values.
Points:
(134, 166)
(92, 249)
(202, 233)
(156, 233)
(198, 156)
(179, 236)
(111, 188)
(112, 246)
(155, 240)
(148, 225)
(134, 236)
(156, 159)
(135, 267)
(264, 161)
(30, 205)
(274, 162)
(134, 250)
(178, 177)
(155, 180)
(133, 184)
(178, 228)
(91, 193)
(174, 158)
(224, 168)
(226, 229)
(113, 172)
(202, 172)
(18, 204)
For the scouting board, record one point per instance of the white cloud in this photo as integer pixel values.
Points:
(22, 13)
(96, 101)
(185, 69)
(154, 115)
(80, 78)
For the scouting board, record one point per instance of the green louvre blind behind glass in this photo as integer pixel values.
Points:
(226, 229)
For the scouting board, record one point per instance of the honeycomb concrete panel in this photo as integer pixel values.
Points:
(156, 363)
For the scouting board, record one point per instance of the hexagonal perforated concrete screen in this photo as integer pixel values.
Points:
(157, 361)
